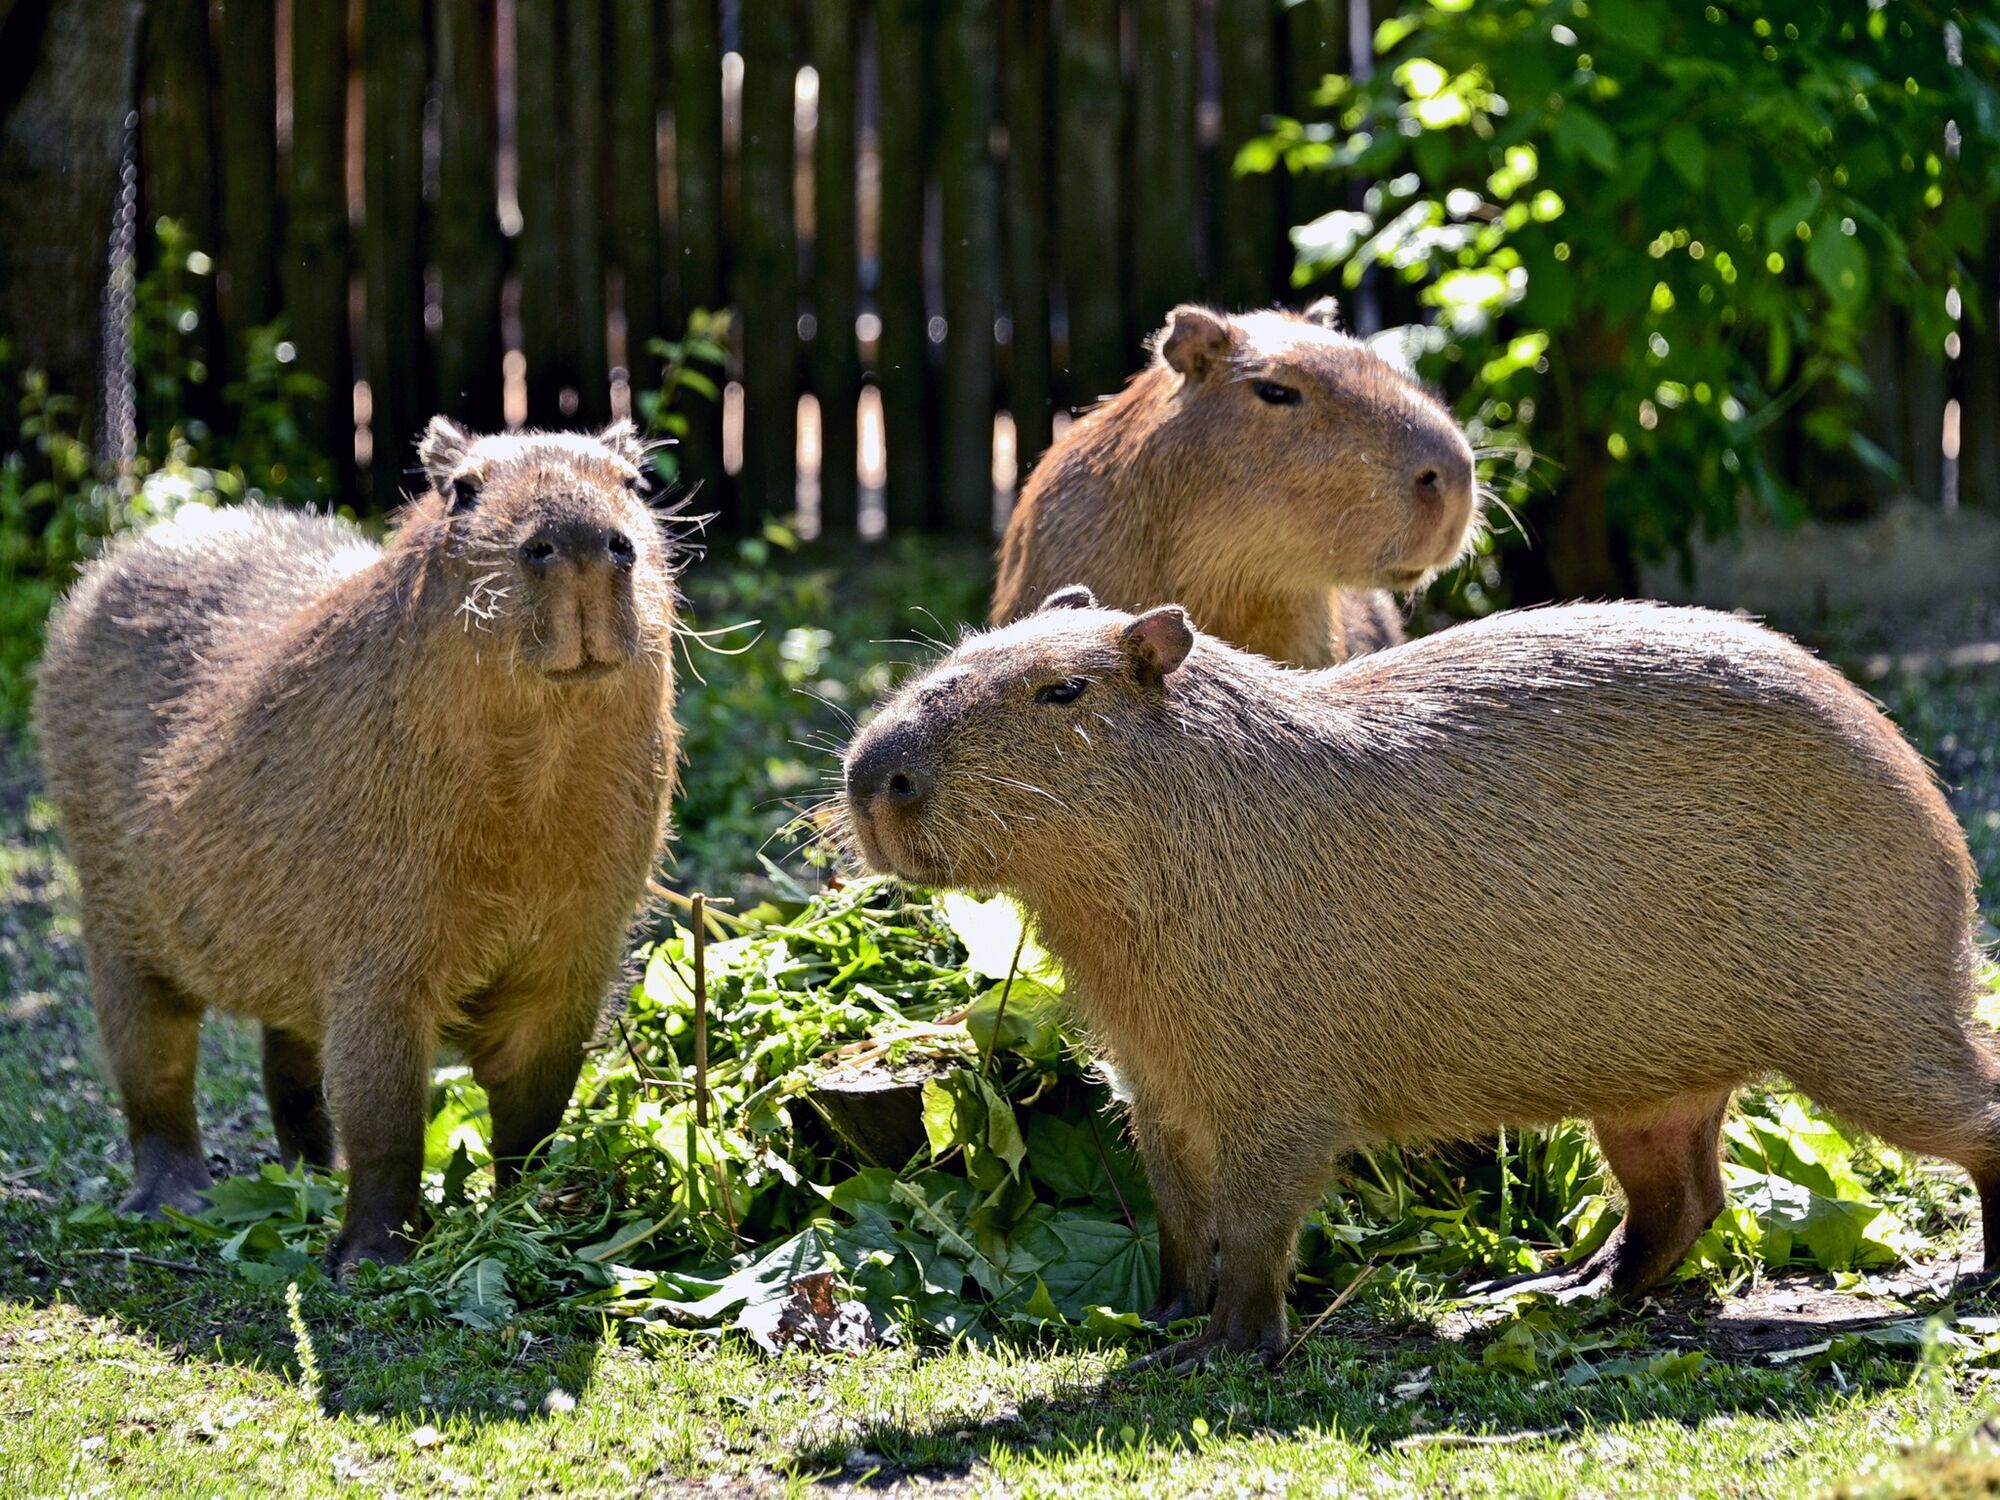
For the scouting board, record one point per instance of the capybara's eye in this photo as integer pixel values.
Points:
(1066, 691)
(1276, 395)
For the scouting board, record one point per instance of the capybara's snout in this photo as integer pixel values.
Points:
(578, 576)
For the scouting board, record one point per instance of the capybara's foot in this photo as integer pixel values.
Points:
(386, 1247)
(1564, 1283)
(163, 1180)
(1214, 1344)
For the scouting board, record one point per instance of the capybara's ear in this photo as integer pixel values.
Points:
(441, 450)
(1195, 340)
(1076, 596)
(622, 438)
(1157, 642)
(1325, 312)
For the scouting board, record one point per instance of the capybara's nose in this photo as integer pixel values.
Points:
(1443, 483)
(579, 544)
(884, 770)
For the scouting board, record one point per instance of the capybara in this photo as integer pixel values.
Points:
(377, 798)
(1266, 471)
(1607, 861)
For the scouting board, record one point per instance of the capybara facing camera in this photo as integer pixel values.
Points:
(377, 798)
(1599, 861)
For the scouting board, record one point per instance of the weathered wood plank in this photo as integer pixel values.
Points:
(1251, 263)
(177, 152)
(1166, 214)
(394, 74)
(836, 359)
(471, 255)
(548, 335)
(903, 359)
(1089, 198)
(583, 175)
(635, 179)
(247, 101)
(696, 34)
(766, 282)
(315, 270)
(1027, 83)
(970, 223)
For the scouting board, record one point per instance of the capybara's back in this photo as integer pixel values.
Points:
(1603, 861)
(375, 798)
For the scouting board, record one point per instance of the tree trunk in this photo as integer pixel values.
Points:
(63, 79)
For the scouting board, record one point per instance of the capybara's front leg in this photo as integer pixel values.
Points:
(152, 1039)
(1179, 1172)
(377, 1065)
(527, 1061)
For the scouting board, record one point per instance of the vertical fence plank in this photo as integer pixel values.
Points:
(470, 252)
(969, 212)
(1166, 215)
(635, 177)
(1026, 81)
(767, 265)
(1249, 266)
(391, 240)
(1924, 397)
(1979, 416)
(1087, 208)
(697, 99)
(904, 358)
(583, 174)
(836, 287)
(177, 129)
(547, 330)
(315, 270)
(247, 96)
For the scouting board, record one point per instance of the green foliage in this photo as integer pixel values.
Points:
(1643, 232)
(59, 501)
(1020, 1206)
(686, 363)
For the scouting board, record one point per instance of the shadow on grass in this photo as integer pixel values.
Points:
(1398, 1390)
(177, 1295)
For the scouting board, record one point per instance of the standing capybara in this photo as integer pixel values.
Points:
(1266, 471)
(377, 798)
(1609, 861)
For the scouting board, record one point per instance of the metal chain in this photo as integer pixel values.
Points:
(119, 440)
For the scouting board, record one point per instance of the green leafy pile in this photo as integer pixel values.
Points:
(675, 1197)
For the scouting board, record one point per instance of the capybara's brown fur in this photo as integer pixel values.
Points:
(1266, 471)
(375, 798)
(1603, 861)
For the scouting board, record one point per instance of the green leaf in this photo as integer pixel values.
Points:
(480, 1298)
(1579, 132)
(1839, 264)
(992, 931)
(629, 1238)
(1687, 153)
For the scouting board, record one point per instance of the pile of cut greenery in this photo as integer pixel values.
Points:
(678, 1196)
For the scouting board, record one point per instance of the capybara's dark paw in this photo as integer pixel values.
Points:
(183, 1189)
(383, 1246)
(1217, 1342)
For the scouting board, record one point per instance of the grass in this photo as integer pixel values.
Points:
(118, 1375)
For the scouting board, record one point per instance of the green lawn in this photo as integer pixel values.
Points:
(125, 1376)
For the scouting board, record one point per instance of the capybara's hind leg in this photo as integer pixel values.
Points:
(298, 1102)
(1667, 1165)
(152, 1040)
(1940, 1096)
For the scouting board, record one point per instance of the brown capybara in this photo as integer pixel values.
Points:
(1266, 471)
(376, 798)
(1606, 861)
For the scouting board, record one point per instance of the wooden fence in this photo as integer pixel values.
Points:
(923, 213)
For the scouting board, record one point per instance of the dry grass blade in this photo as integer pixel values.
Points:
(1333, 1307)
